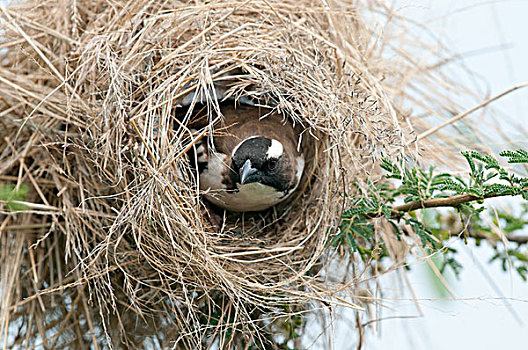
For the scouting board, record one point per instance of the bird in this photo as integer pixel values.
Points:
(254, 162)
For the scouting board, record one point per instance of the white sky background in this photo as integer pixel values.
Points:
(496, 33)
(477, 320)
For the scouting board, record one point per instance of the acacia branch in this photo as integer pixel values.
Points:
(452, 202)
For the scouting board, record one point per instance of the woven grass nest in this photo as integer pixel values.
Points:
(112, 244)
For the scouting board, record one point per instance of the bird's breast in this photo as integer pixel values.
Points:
(248, 197)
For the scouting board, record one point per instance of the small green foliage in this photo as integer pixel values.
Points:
(514, 259)
(454, 184)
(486, 178)
(392, 169)
(519, 156)
(355, 231)
(448, 260)
(10, 193)
(291, 326)
(444, 261)
(510, 224)
(425, 234)
(416, 184)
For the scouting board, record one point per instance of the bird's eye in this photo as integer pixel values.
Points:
(272, 164)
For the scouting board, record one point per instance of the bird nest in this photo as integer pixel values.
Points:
(111, 242)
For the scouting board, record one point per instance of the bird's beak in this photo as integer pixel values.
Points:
(246, 171)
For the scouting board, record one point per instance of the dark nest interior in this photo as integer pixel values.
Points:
(106, 241)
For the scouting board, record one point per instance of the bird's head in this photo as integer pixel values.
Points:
(263, 160)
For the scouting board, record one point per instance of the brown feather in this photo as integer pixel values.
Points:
(243, 121)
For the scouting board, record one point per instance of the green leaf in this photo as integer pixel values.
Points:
(10, 193)
(519, 156)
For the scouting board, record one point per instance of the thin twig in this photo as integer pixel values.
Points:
(469, 111)
(453, 202)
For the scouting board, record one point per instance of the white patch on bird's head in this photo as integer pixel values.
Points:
(275, 150)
